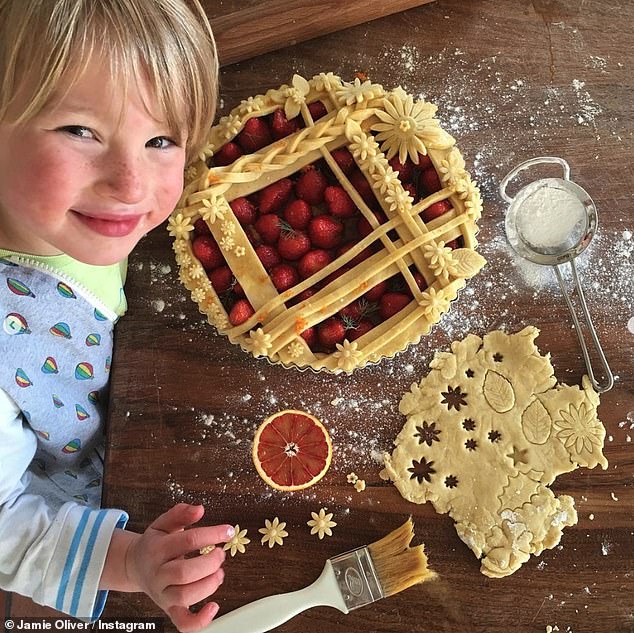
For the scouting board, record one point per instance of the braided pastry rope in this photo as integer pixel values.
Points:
(375, 125)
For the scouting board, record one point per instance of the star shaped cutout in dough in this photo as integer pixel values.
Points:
(274, 532)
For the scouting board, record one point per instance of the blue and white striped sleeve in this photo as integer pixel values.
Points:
(54, 557)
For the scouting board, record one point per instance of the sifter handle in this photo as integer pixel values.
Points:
(607, 372)
(529, 163)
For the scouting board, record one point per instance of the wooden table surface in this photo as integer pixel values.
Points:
(513, 79)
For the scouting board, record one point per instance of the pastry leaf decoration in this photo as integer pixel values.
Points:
(466, 263)
(536, 423)
(498, 392)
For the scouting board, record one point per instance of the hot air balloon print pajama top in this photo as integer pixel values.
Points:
(55, 355)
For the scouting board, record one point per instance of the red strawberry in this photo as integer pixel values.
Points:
(281, 126)
(293, 244)
(435, 210)
(238, 290)
(453, 244)
(376, 292)
(357, 259)
(310, 186)
(405, 170)
(362, 327)
(420, 280)
(429, 181)
(242, 311)
(391, 303)
(424, 162)
(364, 188)
(325, 231)
(243, 210)
(298, 214)
(306, 294)
(331, 332)
(317, 109)
(411, 189)
(207, 252)
(364, 228)
(269, 228)
(284, 276)
(339, 203)
(227, 154)
(201, 227)
(221, 279)
(254, 135)
(313, 262)
(268, 256)
(344, 159)
(358, 309)
(274, 197)
(310, 336)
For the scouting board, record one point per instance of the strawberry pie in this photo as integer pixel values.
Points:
(327, 224)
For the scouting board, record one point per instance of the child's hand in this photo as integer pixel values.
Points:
(154, 562)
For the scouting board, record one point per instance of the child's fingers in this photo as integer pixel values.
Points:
(196, 591)
(188, 622)
(178, 517)
(185, 571)
(181, 543)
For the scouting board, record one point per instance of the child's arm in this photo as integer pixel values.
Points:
(153, 562)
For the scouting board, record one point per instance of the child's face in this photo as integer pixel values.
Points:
(86, 177)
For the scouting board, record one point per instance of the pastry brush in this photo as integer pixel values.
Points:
(347, 582)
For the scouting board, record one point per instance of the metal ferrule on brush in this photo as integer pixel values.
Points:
(356, 577)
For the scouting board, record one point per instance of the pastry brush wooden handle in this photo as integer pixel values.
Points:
(267, 613)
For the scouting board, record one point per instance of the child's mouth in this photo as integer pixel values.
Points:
(110, 227)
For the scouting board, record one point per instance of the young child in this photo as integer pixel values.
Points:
(102, 102)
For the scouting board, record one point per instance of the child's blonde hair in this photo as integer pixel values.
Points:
(46, 44)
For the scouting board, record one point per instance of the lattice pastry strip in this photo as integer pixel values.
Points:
(327, 224)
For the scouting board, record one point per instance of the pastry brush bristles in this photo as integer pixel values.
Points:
(399, 566)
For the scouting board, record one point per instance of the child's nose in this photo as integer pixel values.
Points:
(125, 181)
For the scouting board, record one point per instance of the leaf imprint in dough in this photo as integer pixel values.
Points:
(498, 392)
(536, 423)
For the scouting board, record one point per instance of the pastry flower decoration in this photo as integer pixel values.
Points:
(274, 532)
(295, 96)
(237, 543)
(231, 125)
(363, 147)
(439, 258)
(260, 342)
(357, 92)
(252, 104)
(452, 169)
(433, 303)
(347, 355)
(213, 211)
(408, 128)
(179, 226)
(295, 349)
(326, 81)
(321, 523)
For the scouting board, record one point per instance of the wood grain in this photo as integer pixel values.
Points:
(262, 27)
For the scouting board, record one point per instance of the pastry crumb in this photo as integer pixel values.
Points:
(359, 485)
(321, 523)
(614, 497)
(274, 532)
(207, 549)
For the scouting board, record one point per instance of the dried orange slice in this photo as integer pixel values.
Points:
(291, 450)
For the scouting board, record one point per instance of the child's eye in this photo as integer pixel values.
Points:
(160, 142)
(77, 130)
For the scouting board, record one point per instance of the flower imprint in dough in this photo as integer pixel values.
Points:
(274, 532)
(321, 523)
(237, 543)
